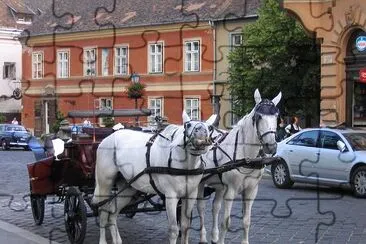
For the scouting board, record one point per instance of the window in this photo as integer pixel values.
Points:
(308, 139)
(105, 59)
(106, 104)
(63, 64)
(192, 108)
(155, 58)
(236, 39)
(37, 65)
(120, 60)
(89, 62)
(9, 71)
(329, 140)
(155, 105)
(192, 56)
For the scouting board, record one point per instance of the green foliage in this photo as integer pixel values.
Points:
(135, 90)
(2, 118)
(277, 55)
(108, 122)
(56, 126)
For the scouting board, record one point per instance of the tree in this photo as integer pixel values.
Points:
(276, 55)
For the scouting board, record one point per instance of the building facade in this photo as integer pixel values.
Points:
(340, 28)
(15, 16)
(88, 66)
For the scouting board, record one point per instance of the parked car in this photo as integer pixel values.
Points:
(324, 156)
(14, 136)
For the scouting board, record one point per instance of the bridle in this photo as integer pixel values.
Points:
(188, 138)
(265, 107)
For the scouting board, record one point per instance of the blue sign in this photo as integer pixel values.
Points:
(361, 43)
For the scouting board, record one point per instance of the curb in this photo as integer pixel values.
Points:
(25, 234)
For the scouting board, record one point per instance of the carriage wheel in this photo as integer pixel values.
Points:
(37, 205)
(75, 216)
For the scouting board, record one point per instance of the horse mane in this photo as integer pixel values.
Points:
(173, 130)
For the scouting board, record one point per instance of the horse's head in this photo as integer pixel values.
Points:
(265, 121)
(196, 135)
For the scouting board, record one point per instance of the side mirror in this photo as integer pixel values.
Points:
(341, 146)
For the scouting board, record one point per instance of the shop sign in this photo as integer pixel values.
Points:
(361, 43)
(363, 75)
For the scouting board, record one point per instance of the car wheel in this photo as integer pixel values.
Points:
(281, 175)
(358, 182)
(4, 145)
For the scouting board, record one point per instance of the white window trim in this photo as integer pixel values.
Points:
(162, 104)
(199, 104)
(68, 63)
(128, 59)
(100, 103)
(149, 68)
(6, 64)
(200, 54)
(84, 61)
(231, 38)
(42, 65)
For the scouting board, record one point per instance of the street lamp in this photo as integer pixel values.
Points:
(135, 91)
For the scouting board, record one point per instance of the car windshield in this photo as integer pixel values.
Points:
(357, 140)
(16, 128)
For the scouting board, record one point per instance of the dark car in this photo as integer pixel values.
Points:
(14, 136)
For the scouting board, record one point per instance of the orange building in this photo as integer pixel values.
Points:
(340, 27)
(83, 54)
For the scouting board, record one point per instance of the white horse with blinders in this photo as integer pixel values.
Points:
(254, 131)
(130, 152)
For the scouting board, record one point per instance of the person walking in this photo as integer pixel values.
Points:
(280, 132)
(15, 121)
(293, 127)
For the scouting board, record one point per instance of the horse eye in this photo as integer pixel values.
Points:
(210, 128)
(188, 125)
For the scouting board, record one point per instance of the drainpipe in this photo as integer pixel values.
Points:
(215, 98)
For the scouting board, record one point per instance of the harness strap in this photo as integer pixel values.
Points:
(216, 163)
(147, 155)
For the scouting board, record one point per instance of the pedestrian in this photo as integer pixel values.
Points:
(293, 127)
(15, 121)
(87, 123)
(280, 132)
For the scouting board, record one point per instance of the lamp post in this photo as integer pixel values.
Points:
(134, 93)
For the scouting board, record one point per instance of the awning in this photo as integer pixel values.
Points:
(109, 113)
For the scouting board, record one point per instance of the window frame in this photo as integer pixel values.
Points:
(232, 34)
(198, 107)
(58, 62)
(185, 54)
(149, 59)
(153, 114)
(86, 63)
(115, 59)
(13, 71)
(41, 53)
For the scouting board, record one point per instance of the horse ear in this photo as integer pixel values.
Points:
(257, 96)
(277, 99)
(212, 119)
(185, 117)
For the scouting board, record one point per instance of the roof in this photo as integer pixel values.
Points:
(28, 7)
(86, 15)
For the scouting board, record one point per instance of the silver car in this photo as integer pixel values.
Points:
(332, 157)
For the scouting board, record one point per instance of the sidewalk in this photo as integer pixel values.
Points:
(12, 234)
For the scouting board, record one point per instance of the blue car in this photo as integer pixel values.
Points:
(14, 136)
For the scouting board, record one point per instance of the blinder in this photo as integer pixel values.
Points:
(265, 107)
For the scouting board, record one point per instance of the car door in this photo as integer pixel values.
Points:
(333, 164)
(302, 153)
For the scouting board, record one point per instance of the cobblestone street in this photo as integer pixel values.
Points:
(279, 216)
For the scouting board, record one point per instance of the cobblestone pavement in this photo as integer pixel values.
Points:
(299, 215)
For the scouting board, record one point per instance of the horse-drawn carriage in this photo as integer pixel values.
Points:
(73, 176)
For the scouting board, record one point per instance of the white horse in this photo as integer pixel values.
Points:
(255, 130)
(129, 152)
